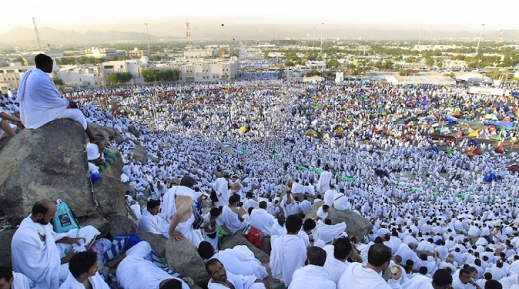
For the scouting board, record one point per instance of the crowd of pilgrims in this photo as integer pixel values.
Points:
(271, 136)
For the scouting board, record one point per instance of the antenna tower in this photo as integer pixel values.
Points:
(37, 34)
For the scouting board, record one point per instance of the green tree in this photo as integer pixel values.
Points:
(429, 61)
(149, 75)
(57, 81)
(333, 63)
(116, 78)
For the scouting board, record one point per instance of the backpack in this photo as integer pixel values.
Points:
(64, 220)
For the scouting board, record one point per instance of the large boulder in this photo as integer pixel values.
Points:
(97, 221)
(121, 225)
(356, 224)
(140, 154)
(183, 257)
(107, 132)
(108, 191)
(45, 163)
(5, 250)
(50, 163)
(157, 242)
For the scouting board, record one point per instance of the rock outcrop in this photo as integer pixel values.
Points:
(356, 224)
(157, 242)
(108, 133)
(50, 163)
(5, 250)
(121, 225)
(183, 258)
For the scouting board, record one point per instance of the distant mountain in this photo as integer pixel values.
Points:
(26, 37)
(21, 36)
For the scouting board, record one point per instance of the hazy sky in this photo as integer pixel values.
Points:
(128, 16)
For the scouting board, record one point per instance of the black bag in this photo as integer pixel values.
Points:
(213, 196)
(198, 219)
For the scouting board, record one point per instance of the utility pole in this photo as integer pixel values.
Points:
(477, 47)
(148, 35)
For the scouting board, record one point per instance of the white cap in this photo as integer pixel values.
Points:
(92, 152)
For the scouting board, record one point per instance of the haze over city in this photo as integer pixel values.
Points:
(233, 19)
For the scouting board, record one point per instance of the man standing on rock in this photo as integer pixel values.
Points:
(34, 250)
(178, 206)
(221, 187)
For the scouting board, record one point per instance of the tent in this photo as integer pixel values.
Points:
(473, 142)
(312, 133)
(490, 178)
(474, 133)
(496, 137)
(513, 168)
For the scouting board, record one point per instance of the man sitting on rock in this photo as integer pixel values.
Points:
(83, 273)
(135, 271)
(220, 278)
(40, 101)
(149, 221)
(232, 217)
(12, 280)
(5, 126)
(34, 249)
(239, 260)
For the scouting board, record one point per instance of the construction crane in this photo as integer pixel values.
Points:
(37, 34)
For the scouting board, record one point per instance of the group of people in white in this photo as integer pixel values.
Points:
(245, 148)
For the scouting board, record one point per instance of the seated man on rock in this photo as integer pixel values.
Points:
(232, 217)
(135, 271)
(239, 260)
(220, 278)
(40, 253)
(149, 221)
(5, 126)
(12, 280)
(40, 101)
(83, 273)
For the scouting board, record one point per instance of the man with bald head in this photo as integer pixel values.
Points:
(34, 250)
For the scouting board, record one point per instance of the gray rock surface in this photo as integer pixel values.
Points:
(50, 163)
(157, 242)
(5, 250)
(140, 154)
(108, 132)
(98, 222)
(183, 258)
(121, 225)
(356, 224)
